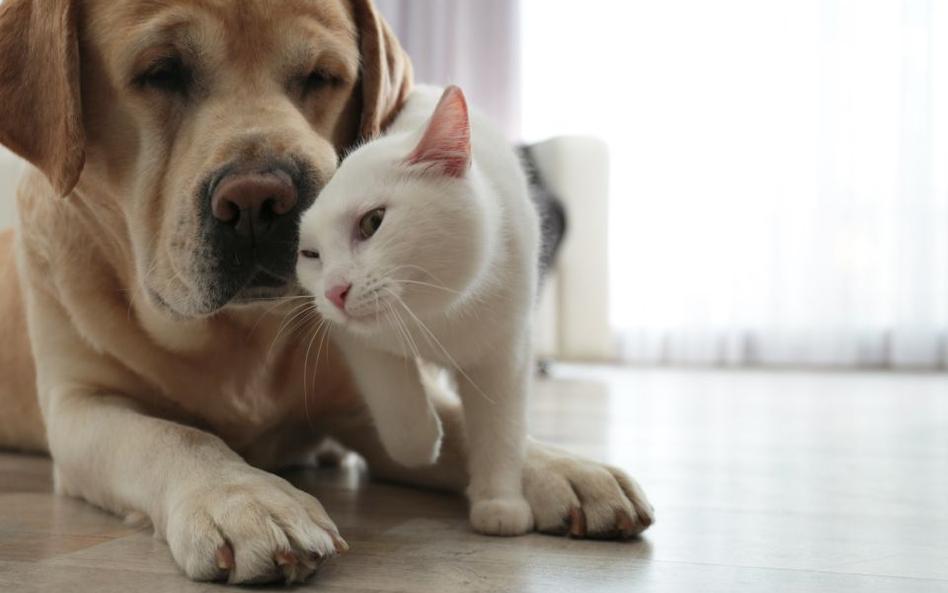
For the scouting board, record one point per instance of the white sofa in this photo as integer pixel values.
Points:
(572, 319)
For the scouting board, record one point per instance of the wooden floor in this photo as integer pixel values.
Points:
(762, 482)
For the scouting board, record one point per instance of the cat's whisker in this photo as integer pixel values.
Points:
(425, 284)
(293, 313)
(430, 336)
(406, 333)
(378, 317)
(297, 311)
(305, 376)
(416, 267)
(413, 346)
(262, 315)
(393, 319)
(310, 314)
(319, 352)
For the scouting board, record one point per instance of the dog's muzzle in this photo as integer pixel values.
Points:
(252, 228)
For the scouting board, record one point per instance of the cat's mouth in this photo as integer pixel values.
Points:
(361, 317)
(371, 316)
(369, 320)
(366, 311)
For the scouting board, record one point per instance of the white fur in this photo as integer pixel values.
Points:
(449, 277)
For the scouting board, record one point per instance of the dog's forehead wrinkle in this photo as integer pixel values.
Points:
(250, 32)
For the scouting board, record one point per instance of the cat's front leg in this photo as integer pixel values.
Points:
(407, 423)
(494, 397)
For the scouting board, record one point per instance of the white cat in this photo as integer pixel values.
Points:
(425, 245)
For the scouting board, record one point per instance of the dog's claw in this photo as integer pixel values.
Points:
(340, 544)
(224, 556)
(577, 522)
(625, 524)
(285, 558)
(317, 560)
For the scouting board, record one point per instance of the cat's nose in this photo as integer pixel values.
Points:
(338, 294)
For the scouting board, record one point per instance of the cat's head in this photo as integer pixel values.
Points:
(398, 232)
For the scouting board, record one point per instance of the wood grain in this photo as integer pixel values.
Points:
(762, 482)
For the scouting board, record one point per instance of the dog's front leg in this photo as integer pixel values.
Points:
(220, 517)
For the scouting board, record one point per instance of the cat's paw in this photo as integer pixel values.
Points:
(501, 516)
(573, 495)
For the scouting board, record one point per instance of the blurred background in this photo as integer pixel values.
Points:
(749, 183)
(777, 172)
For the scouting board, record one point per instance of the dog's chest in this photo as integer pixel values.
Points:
(240, 398)
(245, 380)
(251, 398)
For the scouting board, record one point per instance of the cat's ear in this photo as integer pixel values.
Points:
(446, 143)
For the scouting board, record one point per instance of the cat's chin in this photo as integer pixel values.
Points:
(367, 324)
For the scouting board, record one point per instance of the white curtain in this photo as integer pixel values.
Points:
(471, 43)
(780, 172)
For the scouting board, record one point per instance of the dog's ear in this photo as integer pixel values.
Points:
(386, 76)
(40, 109)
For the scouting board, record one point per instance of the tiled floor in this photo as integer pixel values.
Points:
(762, 482)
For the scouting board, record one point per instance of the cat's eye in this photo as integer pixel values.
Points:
(309, 254)
(168, 75)
(371, 222)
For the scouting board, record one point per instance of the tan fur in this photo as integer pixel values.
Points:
(48, 133)
(21, 425)
(129, 223)
(146, 387)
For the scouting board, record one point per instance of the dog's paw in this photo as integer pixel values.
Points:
(573, 495)
(501, 516)
(250, 527)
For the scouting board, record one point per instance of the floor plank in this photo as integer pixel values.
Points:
(763, 481)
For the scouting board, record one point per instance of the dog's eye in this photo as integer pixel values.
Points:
(168, 75)
(319, 79)
(309, 254)
(371, 222)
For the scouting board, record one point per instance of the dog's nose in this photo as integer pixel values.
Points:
(251, 201)
(338, 294)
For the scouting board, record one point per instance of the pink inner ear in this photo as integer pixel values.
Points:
(447, 140)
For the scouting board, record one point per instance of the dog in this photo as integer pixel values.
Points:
(174, 144)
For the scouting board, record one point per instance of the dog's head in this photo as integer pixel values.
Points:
(204, 126)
